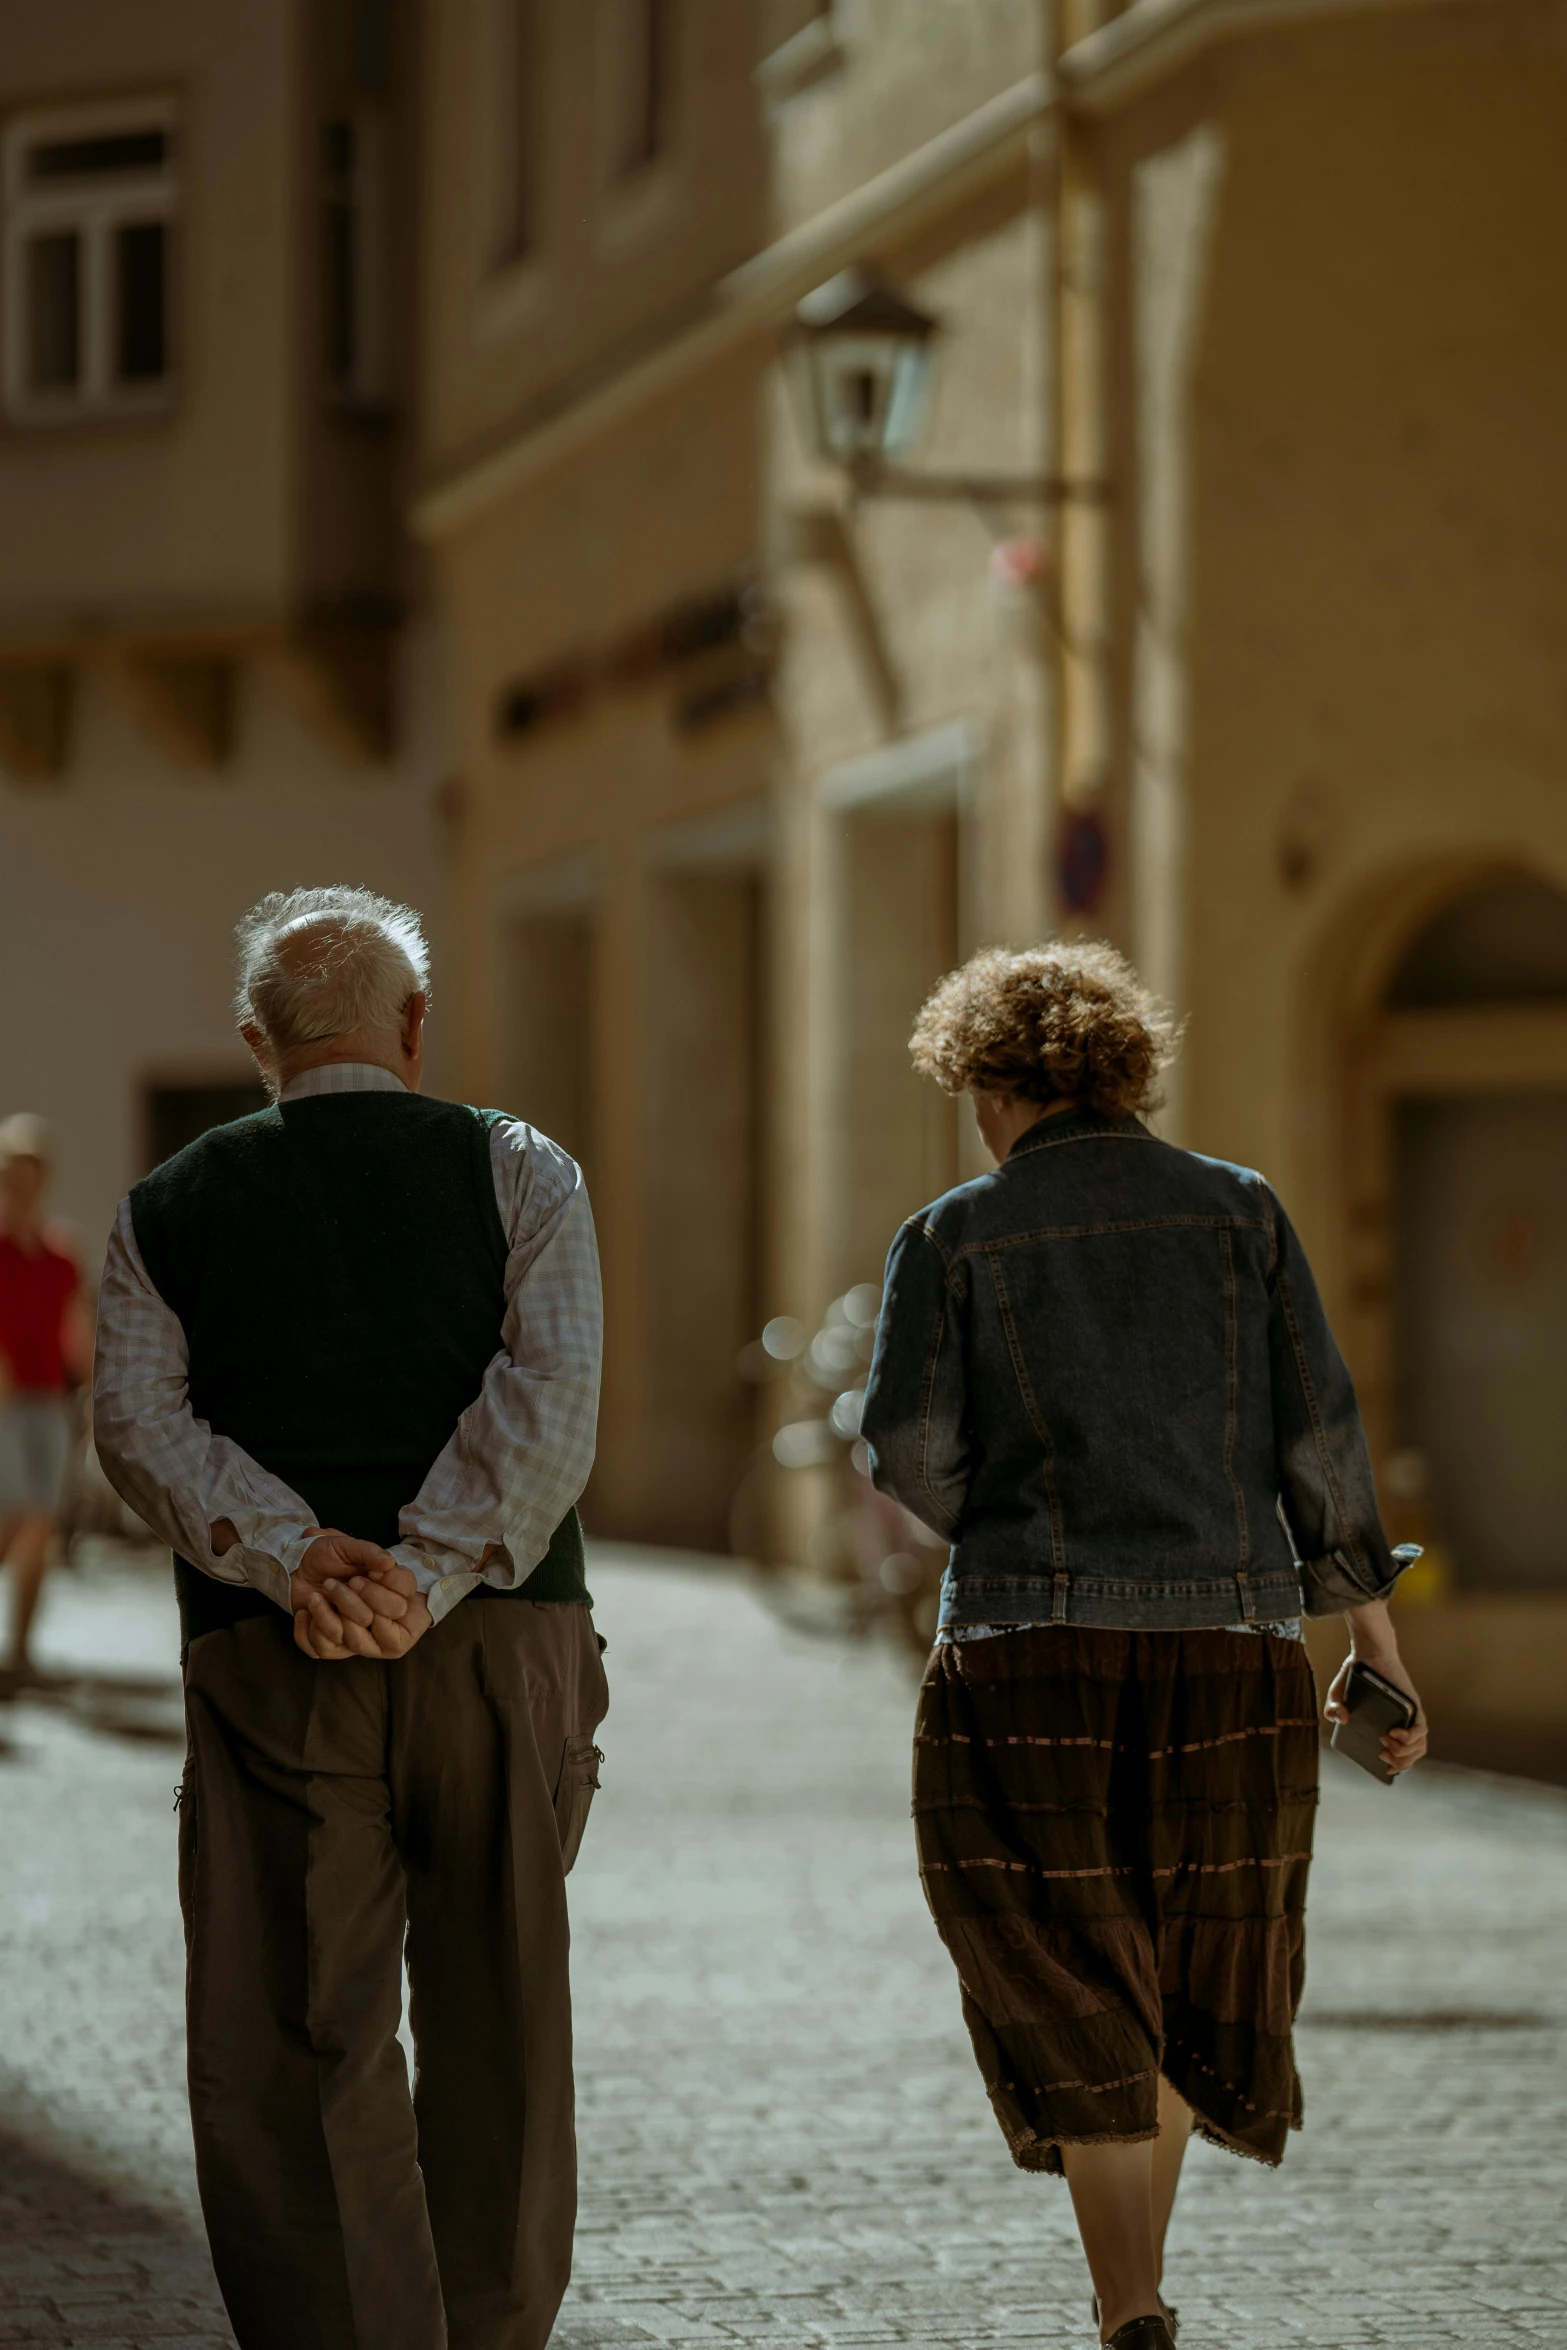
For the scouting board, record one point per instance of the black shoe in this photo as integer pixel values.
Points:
(1171, 2318)
(1142, 2333)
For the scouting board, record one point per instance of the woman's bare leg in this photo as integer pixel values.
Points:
(27, 1556)
(1123, 2196)
(1169, 2151)
(1112, 2198)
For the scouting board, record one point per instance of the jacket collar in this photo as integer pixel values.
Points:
(1075, 1126)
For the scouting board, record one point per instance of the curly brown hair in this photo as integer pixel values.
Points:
(1066, 1022)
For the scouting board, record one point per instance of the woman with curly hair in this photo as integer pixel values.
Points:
(1104, 1373)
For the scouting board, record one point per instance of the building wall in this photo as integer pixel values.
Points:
(214, 530)
(1310, 324)
(589, 812)
(118, 899)
(611, 266)
(899, 635)
(1381, 544)
(191, 508)
(358, 64)
(910, 70)
(1328, 302)
(1373, 527)
(607, 856)
(660, 506)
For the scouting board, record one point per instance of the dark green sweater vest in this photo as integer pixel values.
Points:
(337, 1266)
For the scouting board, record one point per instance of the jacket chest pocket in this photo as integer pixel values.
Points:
(579, 1778)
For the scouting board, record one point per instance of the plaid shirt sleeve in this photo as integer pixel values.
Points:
(520, 1455)
(165, 1463)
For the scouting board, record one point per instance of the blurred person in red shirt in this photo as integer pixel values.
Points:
(45, 1345)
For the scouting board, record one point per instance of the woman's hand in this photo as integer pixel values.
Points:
(1374, 1643)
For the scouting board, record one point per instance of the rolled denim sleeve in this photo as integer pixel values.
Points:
(1324, 1469)
(913, 1420)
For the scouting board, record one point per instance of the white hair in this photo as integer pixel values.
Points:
(319, 963)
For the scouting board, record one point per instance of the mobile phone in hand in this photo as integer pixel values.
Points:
(1374, 1707)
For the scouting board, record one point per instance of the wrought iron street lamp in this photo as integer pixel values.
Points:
(860, 360)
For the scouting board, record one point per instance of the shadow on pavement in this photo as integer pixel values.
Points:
(146, 1707)
(81, 2261)
(1429, 2019)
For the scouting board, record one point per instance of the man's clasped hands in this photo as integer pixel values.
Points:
(349, 1598)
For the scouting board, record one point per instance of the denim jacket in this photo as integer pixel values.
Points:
(1104, 1373)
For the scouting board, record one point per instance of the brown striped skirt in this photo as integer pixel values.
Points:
(1114, 1835)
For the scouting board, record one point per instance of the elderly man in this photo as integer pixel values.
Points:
(348, 1361)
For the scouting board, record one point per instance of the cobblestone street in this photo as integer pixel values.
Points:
(784, 2139)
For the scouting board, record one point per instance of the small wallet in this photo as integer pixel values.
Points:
(1374, 1707)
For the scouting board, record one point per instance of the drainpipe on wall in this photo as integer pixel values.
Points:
(1079, 843)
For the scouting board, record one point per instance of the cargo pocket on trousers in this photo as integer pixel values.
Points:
(579, 1778)
(185, 1805)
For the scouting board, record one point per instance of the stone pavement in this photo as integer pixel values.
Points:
(784, 2139)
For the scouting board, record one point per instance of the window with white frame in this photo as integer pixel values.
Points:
(354, 257)
(91, 197)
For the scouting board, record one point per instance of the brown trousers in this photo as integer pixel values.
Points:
(335, 1817)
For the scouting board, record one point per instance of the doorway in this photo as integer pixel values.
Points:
(1481, 1328)
(173, 1115)
(703, 1119)
(1463, 1107)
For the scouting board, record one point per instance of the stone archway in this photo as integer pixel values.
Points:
(1453, 1088)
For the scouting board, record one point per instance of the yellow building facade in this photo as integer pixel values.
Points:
(1254, 668)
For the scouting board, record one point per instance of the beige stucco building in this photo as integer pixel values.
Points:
(402, 480)
(591, 175)
(1272, 697)
(216, 674)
